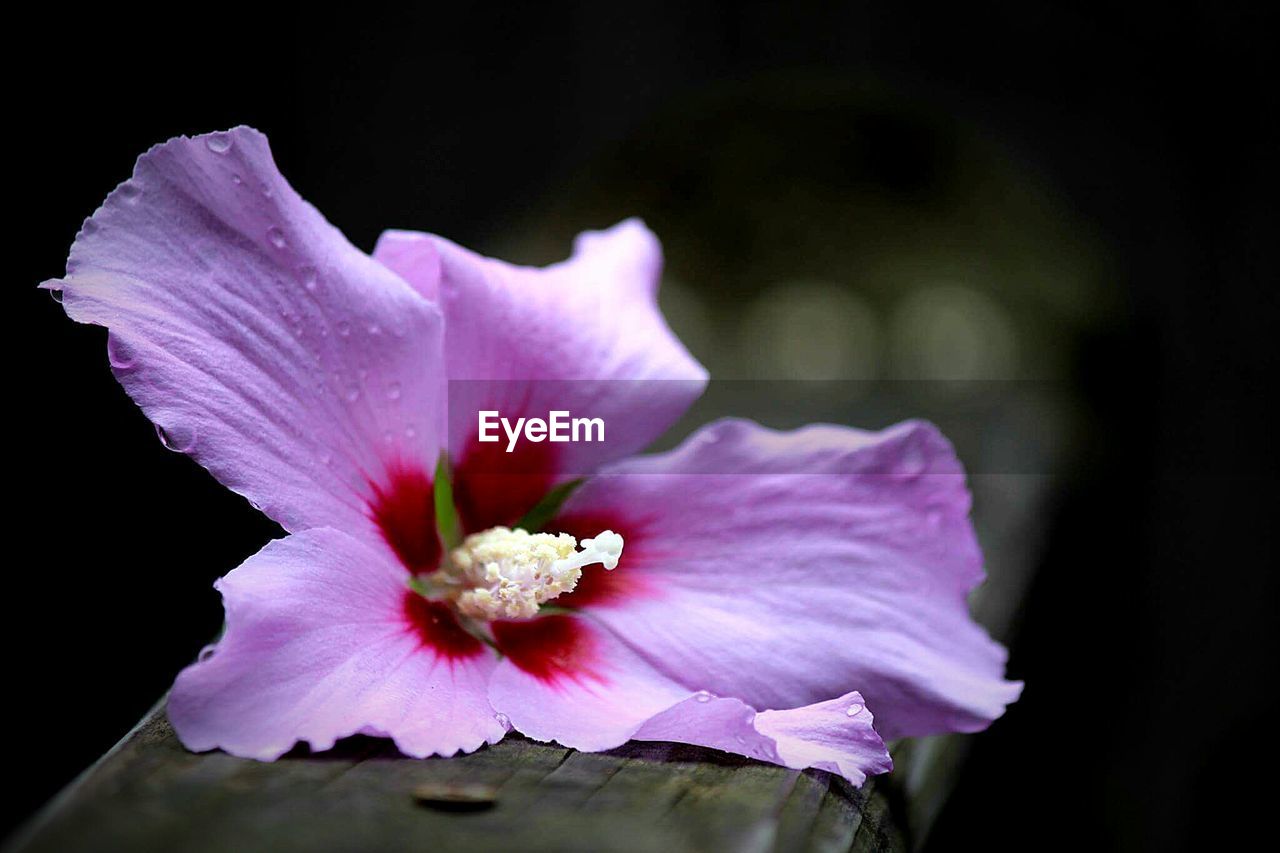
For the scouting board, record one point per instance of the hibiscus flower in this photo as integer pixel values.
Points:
(734, 592)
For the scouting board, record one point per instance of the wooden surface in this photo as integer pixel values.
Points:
(151, 794)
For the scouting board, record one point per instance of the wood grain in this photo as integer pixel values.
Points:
(149, 793)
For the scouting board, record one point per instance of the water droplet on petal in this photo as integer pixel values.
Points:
(503, 720)
(276, 237)
(89, 227)
(410, 432)
(375, 329)
(309, 277)
(218, 143)
(237, 180)
(702, 696)
(344, 328)
(128, 192)
(56, 294)
(207, 652)
(118, 353)
(912, 463)
(393, 391)
(353, 394)
(853, 710)
(177, 439)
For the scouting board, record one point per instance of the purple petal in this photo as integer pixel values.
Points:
(324, 640)
(256, 338)
(567, 679)
(786, 568)
(837, 735)
(413, 257)
(583, 336)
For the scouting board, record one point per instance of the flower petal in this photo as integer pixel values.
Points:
(291, 365)
(837, 735)
(324, 640)
(569, 680)
(785, 568)
(412, 256)
(583, 336)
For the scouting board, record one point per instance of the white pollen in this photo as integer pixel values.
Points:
(502, 573)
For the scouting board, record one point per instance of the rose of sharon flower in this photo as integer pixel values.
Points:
(732, 593)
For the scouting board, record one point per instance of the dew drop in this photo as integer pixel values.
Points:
(128, 192)
(375, 329)
(344, 328)
(218, 143)
(207, 652)
(410, 432)
(912, 463)
(89, 227)
(309, 277)
(237, 180)
(353, 394)
(503, 720)
(853, 710)
(177, 439)
(276, 237)
(118, 353)
(393, 391)
(702, 696)
(56, 294)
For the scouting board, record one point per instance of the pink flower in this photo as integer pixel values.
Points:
(765, 575)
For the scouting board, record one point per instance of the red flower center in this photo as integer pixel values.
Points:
(552, 647)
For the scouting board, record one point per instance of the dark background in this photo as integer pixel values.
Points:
(1146, 634)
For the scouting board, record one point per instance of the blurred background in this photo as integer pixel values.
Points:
(1051, 230)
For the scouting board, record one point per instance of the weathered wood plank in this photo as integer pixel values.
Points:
(151, 794)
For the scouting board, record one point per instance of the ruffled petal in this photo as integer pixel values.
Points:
(837, 735)
(257, 339)
(412, 256)
(324, 640)
(584, 336)
(786, 568)
(569, 680)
